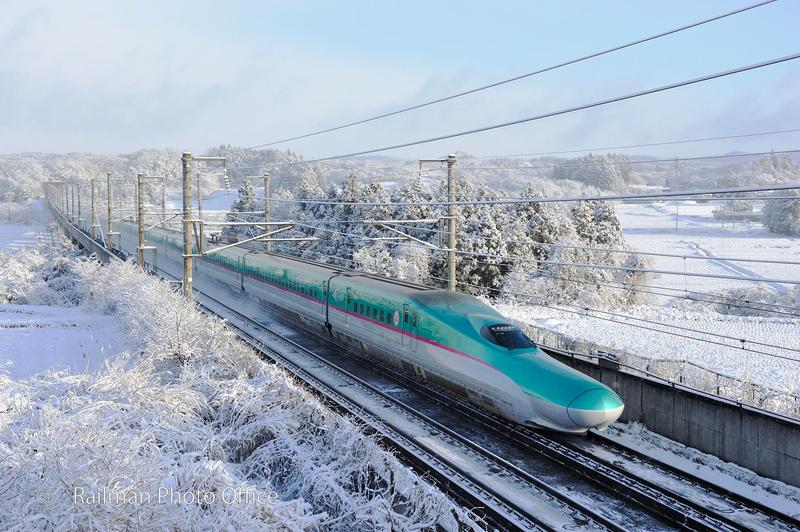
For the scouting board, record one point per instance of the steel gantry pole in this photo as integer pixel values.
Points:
(93, 222)
(268, 244)
(201, 243)
(164, 199)
(80, 220)
(140, 218)
(72, 203)
(187, 224)
(451, 223)
(110, 199)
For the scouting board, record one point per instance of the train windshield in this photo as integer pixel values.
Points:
(507, 336)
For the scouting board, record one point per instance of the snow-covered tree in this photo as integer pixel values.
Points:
(243, 210)
(782, 215)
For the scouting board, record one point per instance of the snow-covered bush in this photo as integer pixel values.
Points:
(39, 276)
(191, 417)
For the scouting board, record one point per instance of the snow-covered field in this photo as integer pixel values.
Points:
(652, 228)
(39, 338)
(14, 236)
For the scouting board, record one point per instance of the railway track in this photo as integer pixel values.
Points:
(501, 509)
(714, 509)
(707, 507)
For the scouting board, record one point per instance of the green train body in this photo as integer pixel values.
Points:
(451, 339)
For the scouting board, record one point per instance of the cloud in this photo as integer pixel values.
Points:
(115, 77)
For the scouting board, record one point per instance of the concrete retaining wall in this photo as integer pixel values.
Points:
(767, 444)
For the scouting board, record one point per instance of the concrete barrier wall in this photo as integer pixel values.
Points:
(82, 239)
(767, 444)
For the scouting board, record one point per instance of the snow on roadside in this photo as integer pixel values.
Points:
(191, 430)
(773, 493)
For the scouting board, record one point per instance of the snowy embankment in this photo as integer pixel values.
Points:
(183, 428)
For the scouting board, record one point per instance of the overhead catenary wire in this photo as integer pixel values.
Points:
(542, 116)
(585, 310)
(687, 295)
(521, 76)
(721, 300)
(645, 145)
(512, 258)
(605, 250)
(630, 162)
(557, 199)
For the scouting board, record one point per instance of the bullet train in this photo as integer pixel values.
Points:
(450, 339)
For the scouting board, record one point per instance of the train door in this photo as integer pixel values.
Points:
(410, 328)
(348, 305)
(406, 341)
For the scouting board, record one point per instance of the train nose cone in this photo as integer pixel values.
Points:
(595, 408)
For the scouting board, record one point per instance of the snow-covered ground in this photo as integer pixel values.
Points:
(14, 236)
(38, 338)
(652, 228)
(772, 493)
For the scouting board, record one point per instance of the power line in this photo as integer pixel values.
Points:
(632, 252)
(628, 269)
(651, 144)
(725, 300)
(550, 114)
(562, 199)
(586, 310)
(519, 77)
(512, 258)
(627, 162)
(684, 294)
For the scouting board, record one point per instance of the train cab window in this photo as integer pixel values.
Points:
(507, 336)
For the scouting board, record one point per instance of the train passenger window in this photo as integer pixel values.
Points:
(382, 316)
(374, 313)
(507, 336)
(405, 316)
(361, 308)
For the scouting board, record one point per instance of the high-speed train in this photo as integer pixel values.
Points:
(450, 339)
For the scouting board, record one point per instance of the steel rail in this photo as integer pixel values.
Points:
(579, 511)
(658, 501)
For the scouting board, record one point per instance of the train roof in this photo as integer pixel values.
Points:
(364, 278)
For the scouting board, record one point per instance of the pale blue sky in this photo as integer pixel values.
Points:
(114, 77)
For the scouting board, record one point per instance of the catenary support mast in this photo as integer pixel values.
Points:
(451, 223)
